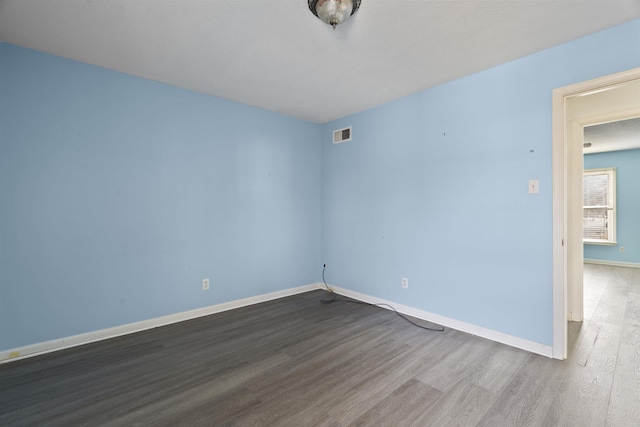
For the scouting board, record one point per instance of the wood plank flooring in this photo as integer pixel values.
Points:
(297, 362)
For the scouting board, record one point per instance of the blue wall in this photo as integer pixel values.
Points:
(627, 164)
(433, 187)
(118, 195)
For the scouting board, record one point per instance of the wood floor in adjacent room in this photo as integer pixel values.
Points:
(298, 362)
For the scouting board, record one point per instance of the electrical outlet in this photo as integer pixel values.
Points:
(205, 284)
(405, 283)
(621, 249)
(534, 186)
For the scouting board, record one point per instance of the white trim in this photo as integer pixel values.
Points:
(531, 346)
(81, 339)
(103, 334)
(559, 179)
(612, 263)
(561, 159)
(599, 242)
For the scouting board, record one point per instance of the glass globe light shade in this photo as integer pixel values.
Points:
(333, 12)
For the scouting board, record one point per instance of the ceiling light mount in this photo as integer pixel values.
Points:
(334, 12)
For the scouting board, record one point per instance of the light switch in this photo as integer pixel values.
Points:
(534, 186)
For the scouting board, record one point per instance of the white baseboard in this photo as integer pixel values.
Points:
(103, 334)
(612, 263)
(531, 346)
(89, 337)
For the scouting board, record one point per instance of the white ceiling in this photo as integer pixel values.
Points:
(274, 54)
(614, 136)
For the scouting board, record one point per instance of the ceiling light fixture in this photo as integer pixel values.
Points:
(334, 12)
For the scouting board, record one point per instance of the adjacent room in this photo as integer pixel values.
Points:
(319, 213)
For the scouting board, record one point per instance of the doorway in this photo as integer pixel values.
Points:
(575, 107)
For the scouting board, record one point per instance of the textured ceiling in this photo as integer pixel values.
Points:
(614, 136)
(274, 54)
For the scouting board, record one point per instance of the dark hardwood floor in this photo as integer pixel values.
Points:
(298, 362)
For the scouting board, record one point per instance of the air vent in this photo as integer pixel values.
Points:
(342, 135)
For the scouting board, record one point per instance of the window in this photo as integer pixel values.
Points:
(599, 202)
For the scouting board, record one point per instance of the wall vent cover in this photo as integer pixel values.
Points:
(342, 135)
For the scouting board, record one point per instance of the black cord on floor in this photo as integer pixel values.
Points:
(334, 298)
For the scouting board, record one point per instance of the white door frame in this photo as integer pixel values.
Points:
(567, 238)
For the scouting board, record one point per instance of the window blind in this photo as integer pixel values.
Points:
(599, 201)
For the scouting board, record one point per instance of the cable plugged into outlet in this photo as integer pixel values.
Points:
(205, 284)
(405, 284)
(329, 290)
